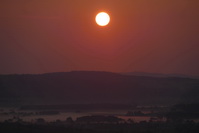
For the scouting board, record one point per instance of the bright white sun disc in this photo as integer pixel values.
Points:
(102, 19)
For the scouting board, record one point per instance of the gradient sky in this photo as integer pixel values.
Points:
(40, 36)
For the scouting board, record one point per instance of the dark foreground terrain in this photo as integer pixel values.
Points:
(69, 90)
(142, 127)
(181, 118)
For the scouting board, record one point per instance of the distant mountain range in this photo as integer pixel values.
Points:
(96, 87)
(160, 75)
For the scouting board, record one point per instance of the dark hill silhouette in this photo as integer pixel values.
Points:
(94, 87)
(146, 74)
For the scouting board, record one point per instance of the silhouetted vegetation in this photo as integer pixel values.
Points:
(181, 112)
(96, 124)
(181, 118)
(100, 87)
(99, 119)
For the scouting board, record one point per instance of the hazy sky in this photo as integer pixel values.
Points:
(40, 36)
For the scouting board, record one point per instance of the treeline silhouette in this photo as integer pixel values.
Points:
(180, 112)
(182, 118)
(96, 124)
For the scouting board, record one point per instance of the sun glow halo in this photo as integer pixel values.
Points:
(102, 19)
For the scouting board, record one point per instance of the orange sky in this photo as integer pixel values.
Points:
(39, 36)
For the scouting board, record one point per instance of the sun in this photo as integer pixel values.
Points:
(102, 19)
